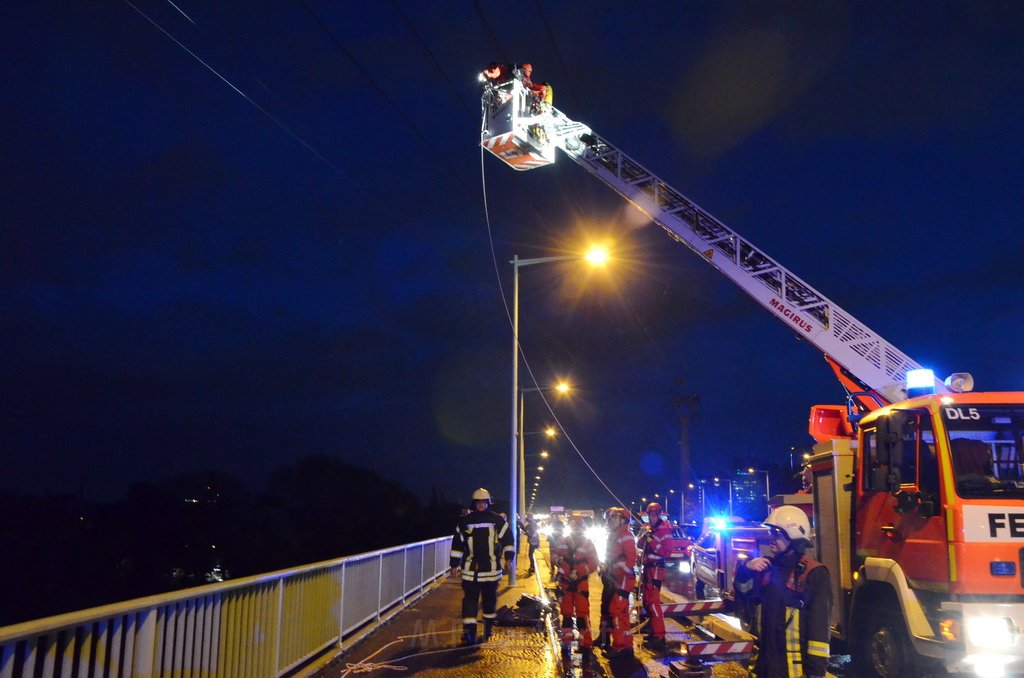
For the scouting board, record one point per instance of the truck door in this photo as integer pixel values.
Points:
(898, 511)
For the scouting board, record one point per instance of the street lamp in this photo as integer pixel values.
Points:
(549, 431)
(596, 257)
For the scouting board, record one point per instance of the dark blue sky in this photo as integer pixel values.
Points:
(197, 276)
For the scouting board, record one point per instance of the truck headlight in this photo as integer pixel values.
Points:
(993, 633)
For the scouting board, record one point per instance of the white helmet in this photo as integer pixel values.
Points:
(791, 520)
(482, 495)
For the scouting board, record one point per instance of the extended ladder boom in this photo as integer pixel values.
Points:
(524, 136)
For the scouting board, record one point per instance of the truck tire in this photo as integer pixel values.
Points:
(883, 649)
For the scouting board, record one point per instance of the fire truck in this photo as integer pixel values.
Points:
(918, 483)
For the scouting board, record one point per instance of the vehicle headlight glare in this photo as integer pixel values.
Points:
(992, 632)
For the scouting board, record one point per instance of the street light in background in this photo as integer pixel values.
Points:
(562, 388)
(596, 257)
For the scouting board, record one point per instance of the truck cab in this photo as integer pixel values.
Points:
(920, 519)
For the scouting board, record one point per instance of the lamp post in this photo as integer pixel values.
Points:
(550, 431)
(594, 256)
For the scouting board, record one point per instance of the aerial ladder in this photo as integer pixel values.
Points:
(525, 134)
(917, 488)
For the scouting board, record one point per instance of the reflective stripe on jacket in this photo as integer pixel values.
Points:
(788, 607)
(481, 538)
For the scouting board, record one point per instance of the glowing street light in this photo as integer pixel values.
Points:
(595, 257)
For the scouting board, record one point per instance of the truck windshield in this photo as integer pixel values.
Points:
(987, 446)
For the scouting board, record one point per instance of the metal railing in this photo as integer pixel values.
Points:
(265, 625)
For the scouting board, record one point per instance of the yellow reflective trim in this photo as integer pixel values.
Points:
(794, 658)
(952, 562)
(949, 524)
(817, 648)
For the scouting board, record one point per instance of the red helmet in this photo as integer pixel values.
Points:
(654, 507)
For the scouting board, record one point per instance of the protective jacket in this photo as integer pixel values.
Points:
(788, 608)
(481, 537)
(618, 580)
(620, 561)
(656, 545)
(576, 554)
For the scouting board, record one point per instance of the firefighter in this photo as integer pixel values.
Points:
(655, 544)
(543, 93)
(786, 601)
(482, 537)
(529, 529)
(577, 558)
(618, 579)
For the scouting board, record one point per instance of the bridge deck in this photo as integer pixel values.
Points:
(424, 640)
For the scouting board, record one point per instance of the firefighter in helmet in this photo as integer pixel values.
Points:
(655, 544)
(482, 538)
(786, 601)
(577, 558)
(618, 579)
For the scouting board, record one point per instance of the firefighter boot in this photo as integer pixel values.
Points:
(469, 634)
(488, 626)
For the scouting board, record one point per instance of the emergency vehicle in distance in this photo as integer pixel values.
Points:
(918, 489)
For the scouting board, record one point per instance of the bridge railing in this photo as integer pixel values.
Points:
(267, 625)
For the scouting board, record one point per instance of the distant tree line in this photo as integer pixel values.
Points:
(61, 553)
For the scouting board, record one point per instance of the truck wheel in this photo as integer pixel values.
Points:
(884, 647)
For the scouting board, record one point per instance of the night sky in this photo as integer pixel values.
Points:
(239, 233)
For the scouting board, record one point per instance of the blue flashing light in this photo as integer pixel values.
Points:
(718, 523)
(920, 379)
(920, 382)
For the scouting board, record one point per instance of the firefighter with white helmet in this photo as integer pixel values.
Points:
(481, 538)
(785, 600)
